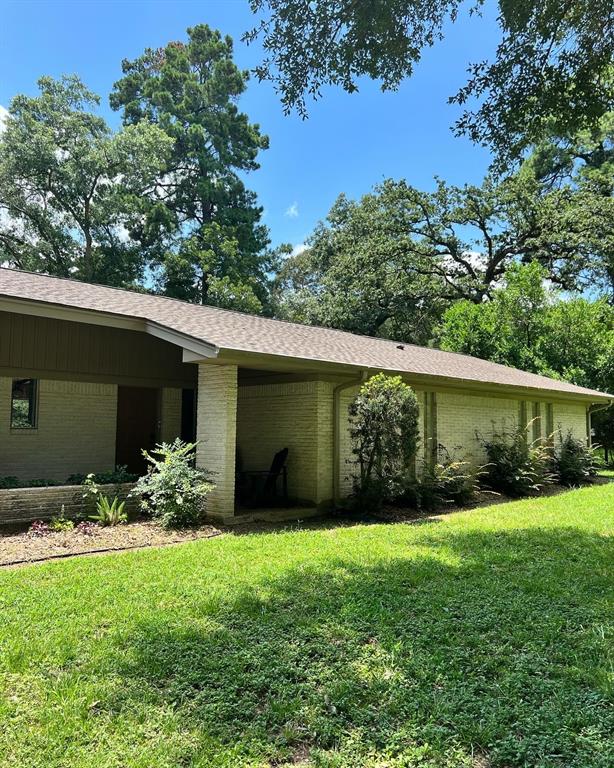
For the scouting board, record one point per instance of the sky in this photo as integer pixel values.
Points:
(349, 142)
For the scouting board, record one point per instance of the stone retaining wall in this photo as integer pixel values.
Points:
(23, 505)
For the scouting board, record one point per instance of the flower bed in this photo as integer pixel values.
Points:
(24, 505)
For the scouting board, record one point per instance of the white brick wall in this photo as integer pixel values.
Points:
(75, 431)
(460, 416)
(297, 416)
(570, 416)
(216, 433)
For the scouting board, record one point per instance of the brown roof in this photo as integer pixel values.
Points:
(237, 331)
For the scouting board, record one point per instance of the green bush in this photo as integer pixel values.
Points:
(450, 481)
(173, 490)
(384, 434)
(111, 477)
(109, 513)
(515, 466)
(574, 461)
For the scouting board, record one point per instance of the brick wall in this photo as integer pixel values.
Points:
(75, 431)
(297, 416)
(570, 417)
(23, 505)
(216, 433)
(460, 416)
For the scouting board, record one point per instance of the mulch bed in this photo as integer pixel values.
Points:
(19, 548)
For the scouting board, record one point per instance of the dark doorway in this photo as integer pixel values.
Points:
(188, 415)
(137, 422)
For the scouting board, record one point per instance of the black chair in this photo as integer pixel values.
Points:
(257, 487)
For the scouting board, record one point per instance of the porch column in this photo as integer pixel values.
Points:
(216, 430)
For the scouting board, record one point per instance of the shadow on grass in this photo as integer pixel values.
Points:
(487, 644)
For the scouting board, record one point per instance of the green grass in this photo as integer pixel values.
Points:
(480, 639)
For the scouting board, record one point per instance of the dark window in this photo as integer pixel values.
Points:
(23, 403)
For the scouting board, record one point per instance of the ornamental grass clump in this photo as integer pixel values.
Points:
(450, 480)
(384, 434)
(174, 491)
(515, 466)
(575, 462)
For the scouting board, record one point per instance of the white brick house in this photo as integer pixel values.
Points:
(89, 375)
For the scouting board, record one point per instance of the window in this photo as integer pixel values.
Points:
(23, 403)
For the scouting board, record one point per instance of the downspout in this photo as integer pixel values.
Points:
(337, 431)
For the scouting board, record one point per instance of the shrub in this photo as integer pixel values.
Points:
(9, 481)
(384, 434)
(449, 481)
(112, 477)
(109, 512)
(516, 467)
(174, 491)
(574, 461)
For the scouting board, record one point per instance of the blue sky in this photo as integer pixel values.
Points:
(348, 144)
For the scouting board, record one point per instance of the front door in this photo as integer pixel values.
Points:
(137, 426)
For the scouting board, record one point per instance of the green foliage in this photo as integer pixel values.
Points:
(109, 513)
(110, 477)
(71, 191)
(209, 243)
(575, 462)
(384, 433)
(10, 481)
(393, 262)
(515, 466)
(60, 524)
(173, 490)
(449, 480)
(552, 70)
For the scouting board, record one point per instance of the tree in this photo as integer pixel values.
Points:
(212, 247)
(553, 65)
(71, 191)
(530, 326)
(391, 263)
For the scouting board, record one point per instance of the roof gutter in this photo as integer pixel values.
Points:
(337, 431)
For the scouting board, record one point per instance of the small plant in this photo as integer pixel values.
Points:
(39, 528)
(574, 461)
(9, 481)
(109, 513)
(515, 466)
(174, 491)
(86, 528)
(449, 481)
(60, 523)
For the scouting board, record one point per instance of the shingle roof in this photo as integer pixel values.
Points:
(237, 331)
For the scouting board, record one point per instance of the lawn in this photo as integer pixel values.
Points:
(483, 638)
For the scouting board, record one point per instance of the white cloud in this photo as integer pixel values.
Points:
(3, 115)
(292, 211)
(298, 249)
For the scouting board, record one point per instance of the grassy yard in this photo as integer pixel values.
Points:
(480, 639)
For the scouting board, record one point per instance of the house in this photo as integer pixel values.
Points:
(90, 375)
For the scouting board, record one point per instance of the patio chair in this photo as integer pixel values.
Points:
(257, 487)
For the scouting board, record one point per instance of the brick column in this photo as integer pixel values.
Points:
(216, 429)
